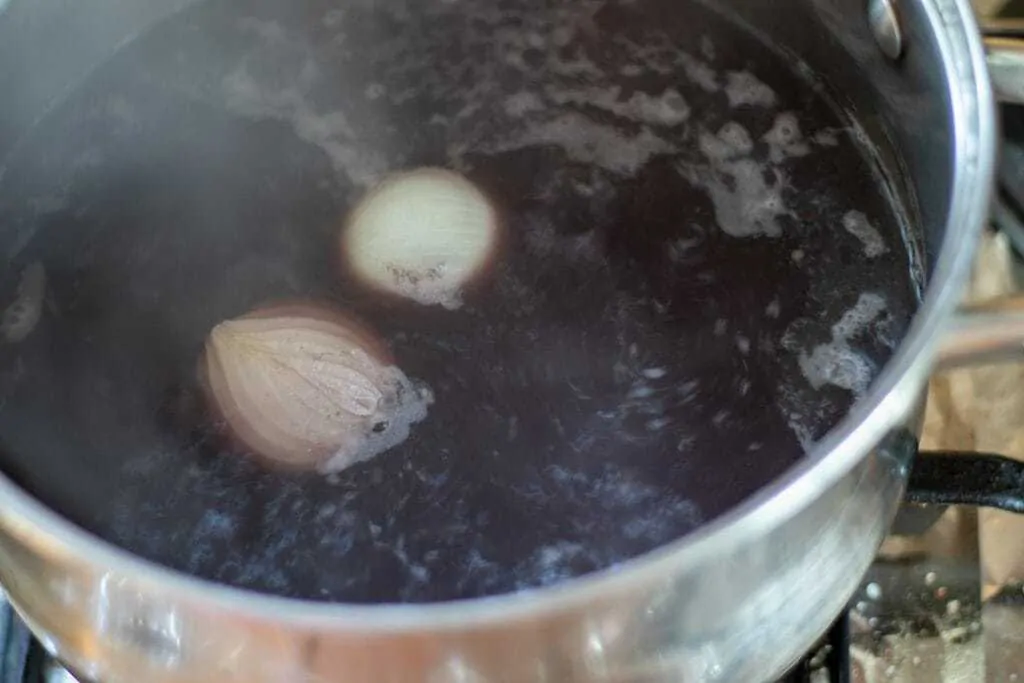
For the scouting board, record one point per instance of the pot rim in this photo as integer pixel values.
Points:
(892, 395)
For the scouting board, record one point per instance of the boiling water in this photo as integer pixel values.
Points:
(701, 272)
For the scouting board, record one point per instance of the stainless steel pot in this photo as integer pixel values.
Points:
(739, 600)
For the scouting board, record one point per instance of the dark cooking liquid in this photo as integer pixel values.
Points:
(702, 271)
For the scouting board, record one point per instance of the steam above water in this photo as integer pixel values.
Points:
(696, 285)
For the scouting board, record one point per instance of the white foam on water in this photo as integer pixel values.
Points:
(867, 309)
(522, 103)
(406, 404)
(707, 48)
(20, 318)
(579, 67)
(747, 194)
(700, 73)
(681, 250)
(731, 141)
(661, 56)
(629, 500)
(785, 139)
(658, 424)
(745, 89)
(552, 563)
(588, 142)
(416, 571)
(330, 131)
(665, 109)
(799, 424)
(858, 225)
(836, 363)
(828, 137)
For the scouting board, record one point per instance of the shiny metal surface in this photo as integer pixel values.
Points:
(991, 332)
(694, 611)
(1003, 40)
(1006, 64)
(988, 333)
(885, 26)
(56, 674)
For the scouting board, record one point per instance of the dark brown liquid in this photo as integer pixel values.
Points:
(654, 341)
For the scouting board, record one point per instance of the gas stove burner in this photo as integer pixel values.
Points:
(829, 662)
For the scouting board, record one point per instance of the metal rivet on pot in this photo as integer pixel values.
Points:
(885, 26)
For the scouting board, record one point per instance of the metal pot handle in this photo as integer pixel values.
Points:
(989, 332)
(979, 479)
(1004, 39)
(985, 333)
(993, 331)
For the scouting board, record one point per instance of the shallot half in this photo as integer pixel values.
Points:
(422, 235)
(308, 387)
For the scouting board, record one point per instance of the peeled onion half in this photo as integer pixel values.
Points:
(422, 235)
(307, 387)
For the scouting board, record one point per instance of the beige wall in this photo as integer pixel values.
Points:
(989, 6)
